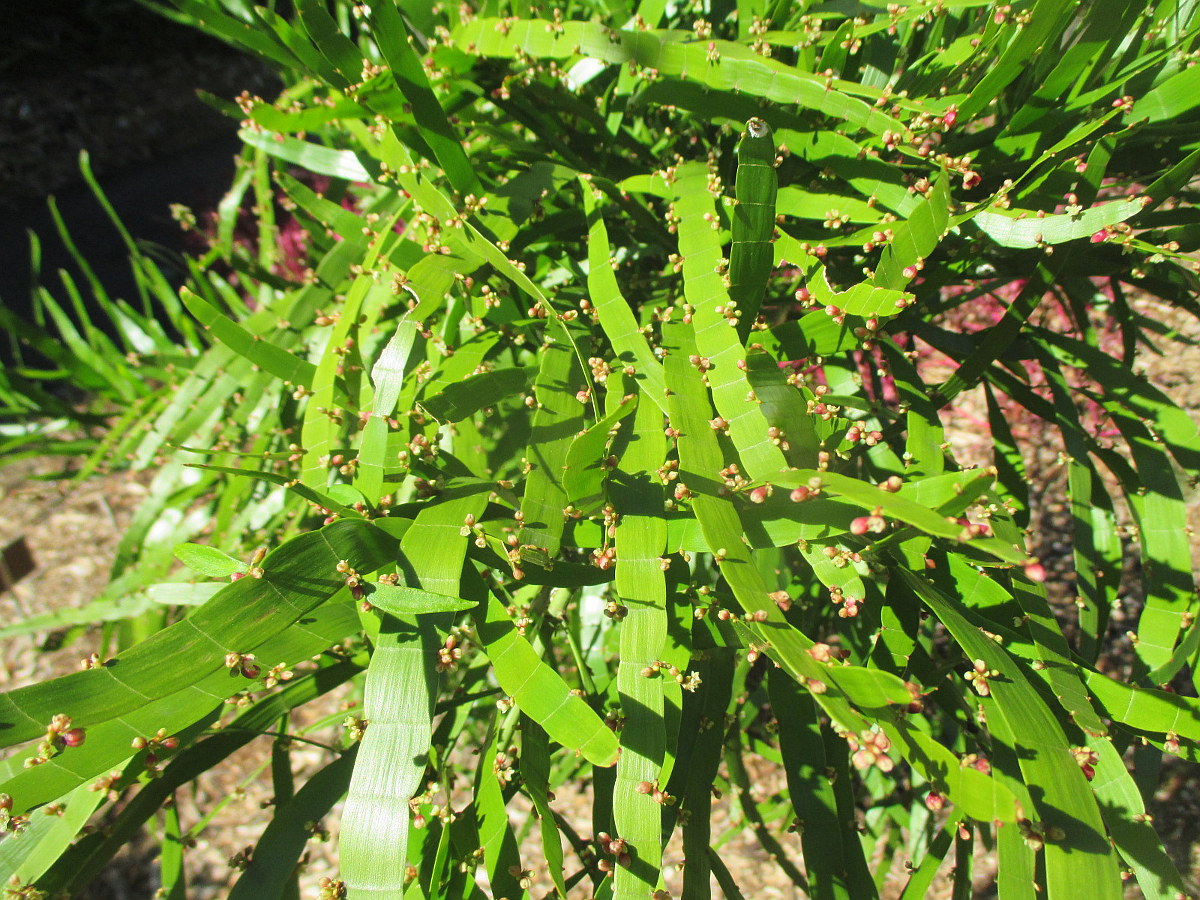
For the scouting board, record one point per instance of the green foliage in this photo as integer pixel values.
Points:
(580, 414)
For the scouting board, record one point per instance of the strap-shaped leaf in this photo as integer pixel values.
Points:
(1082, 854)
(540, 691)
(1024, 230)
(893, 506)
(458, 401)
(1053, 653)
(398, 703)
(1155, 495)
(342, 164)
(209, 560)
(320, 420)
(297, 577)
(1134, 836)
(388, 377)
(714, 322)
(255, 348)
(535, 771)
(916, 238)
(755, 187)
(88, 856)
(402, 600)
(698, 453)
(557, 418)
(585, 471)
(46, 837)
(727, 66)
(640, 543)
(616, 318)
(862, 299)
(826, 844)
(407, 68)
(108, 742)
(1144, 708)
(279, 850)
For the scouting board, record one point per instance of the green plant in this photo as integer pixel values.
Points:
(593, 427)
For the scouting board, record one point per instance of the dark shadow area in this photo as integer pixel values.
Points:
(114, 79)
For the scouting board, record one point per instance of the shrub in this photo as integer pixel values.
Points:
(573, 397)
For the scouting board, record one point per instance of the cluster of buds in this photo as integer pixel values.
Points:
(855, 434)
(449, 654)
(761, 493)
(777, 437)
(524, 877)
(1036, 834)
(732, 478)
(277, 674)
(656, 794)
(979, 675)
(1035, 571)
(352, 578)
(603, 557)
(847, 606)
(729, 311)
(874, 523)
(241, 859)
(504, 767)
(972, 529)
(59, 735)
(781, 599)
(687, 682)
(1088, 759)
(615, 610)
(355, 727)
(870, 749)
(805, 492)
(331, 889)
(600, 369)
(9, 822)
(153, 746)
(841, 557)
(107, 783)
(818, 407)
(243, 663)
(824, 653)
(614, 847)
(916, 703)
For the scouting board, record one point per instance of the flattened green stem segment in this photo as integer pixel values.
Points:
(399, 695)
(556, 421)
(641, 537)
(756, 186)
